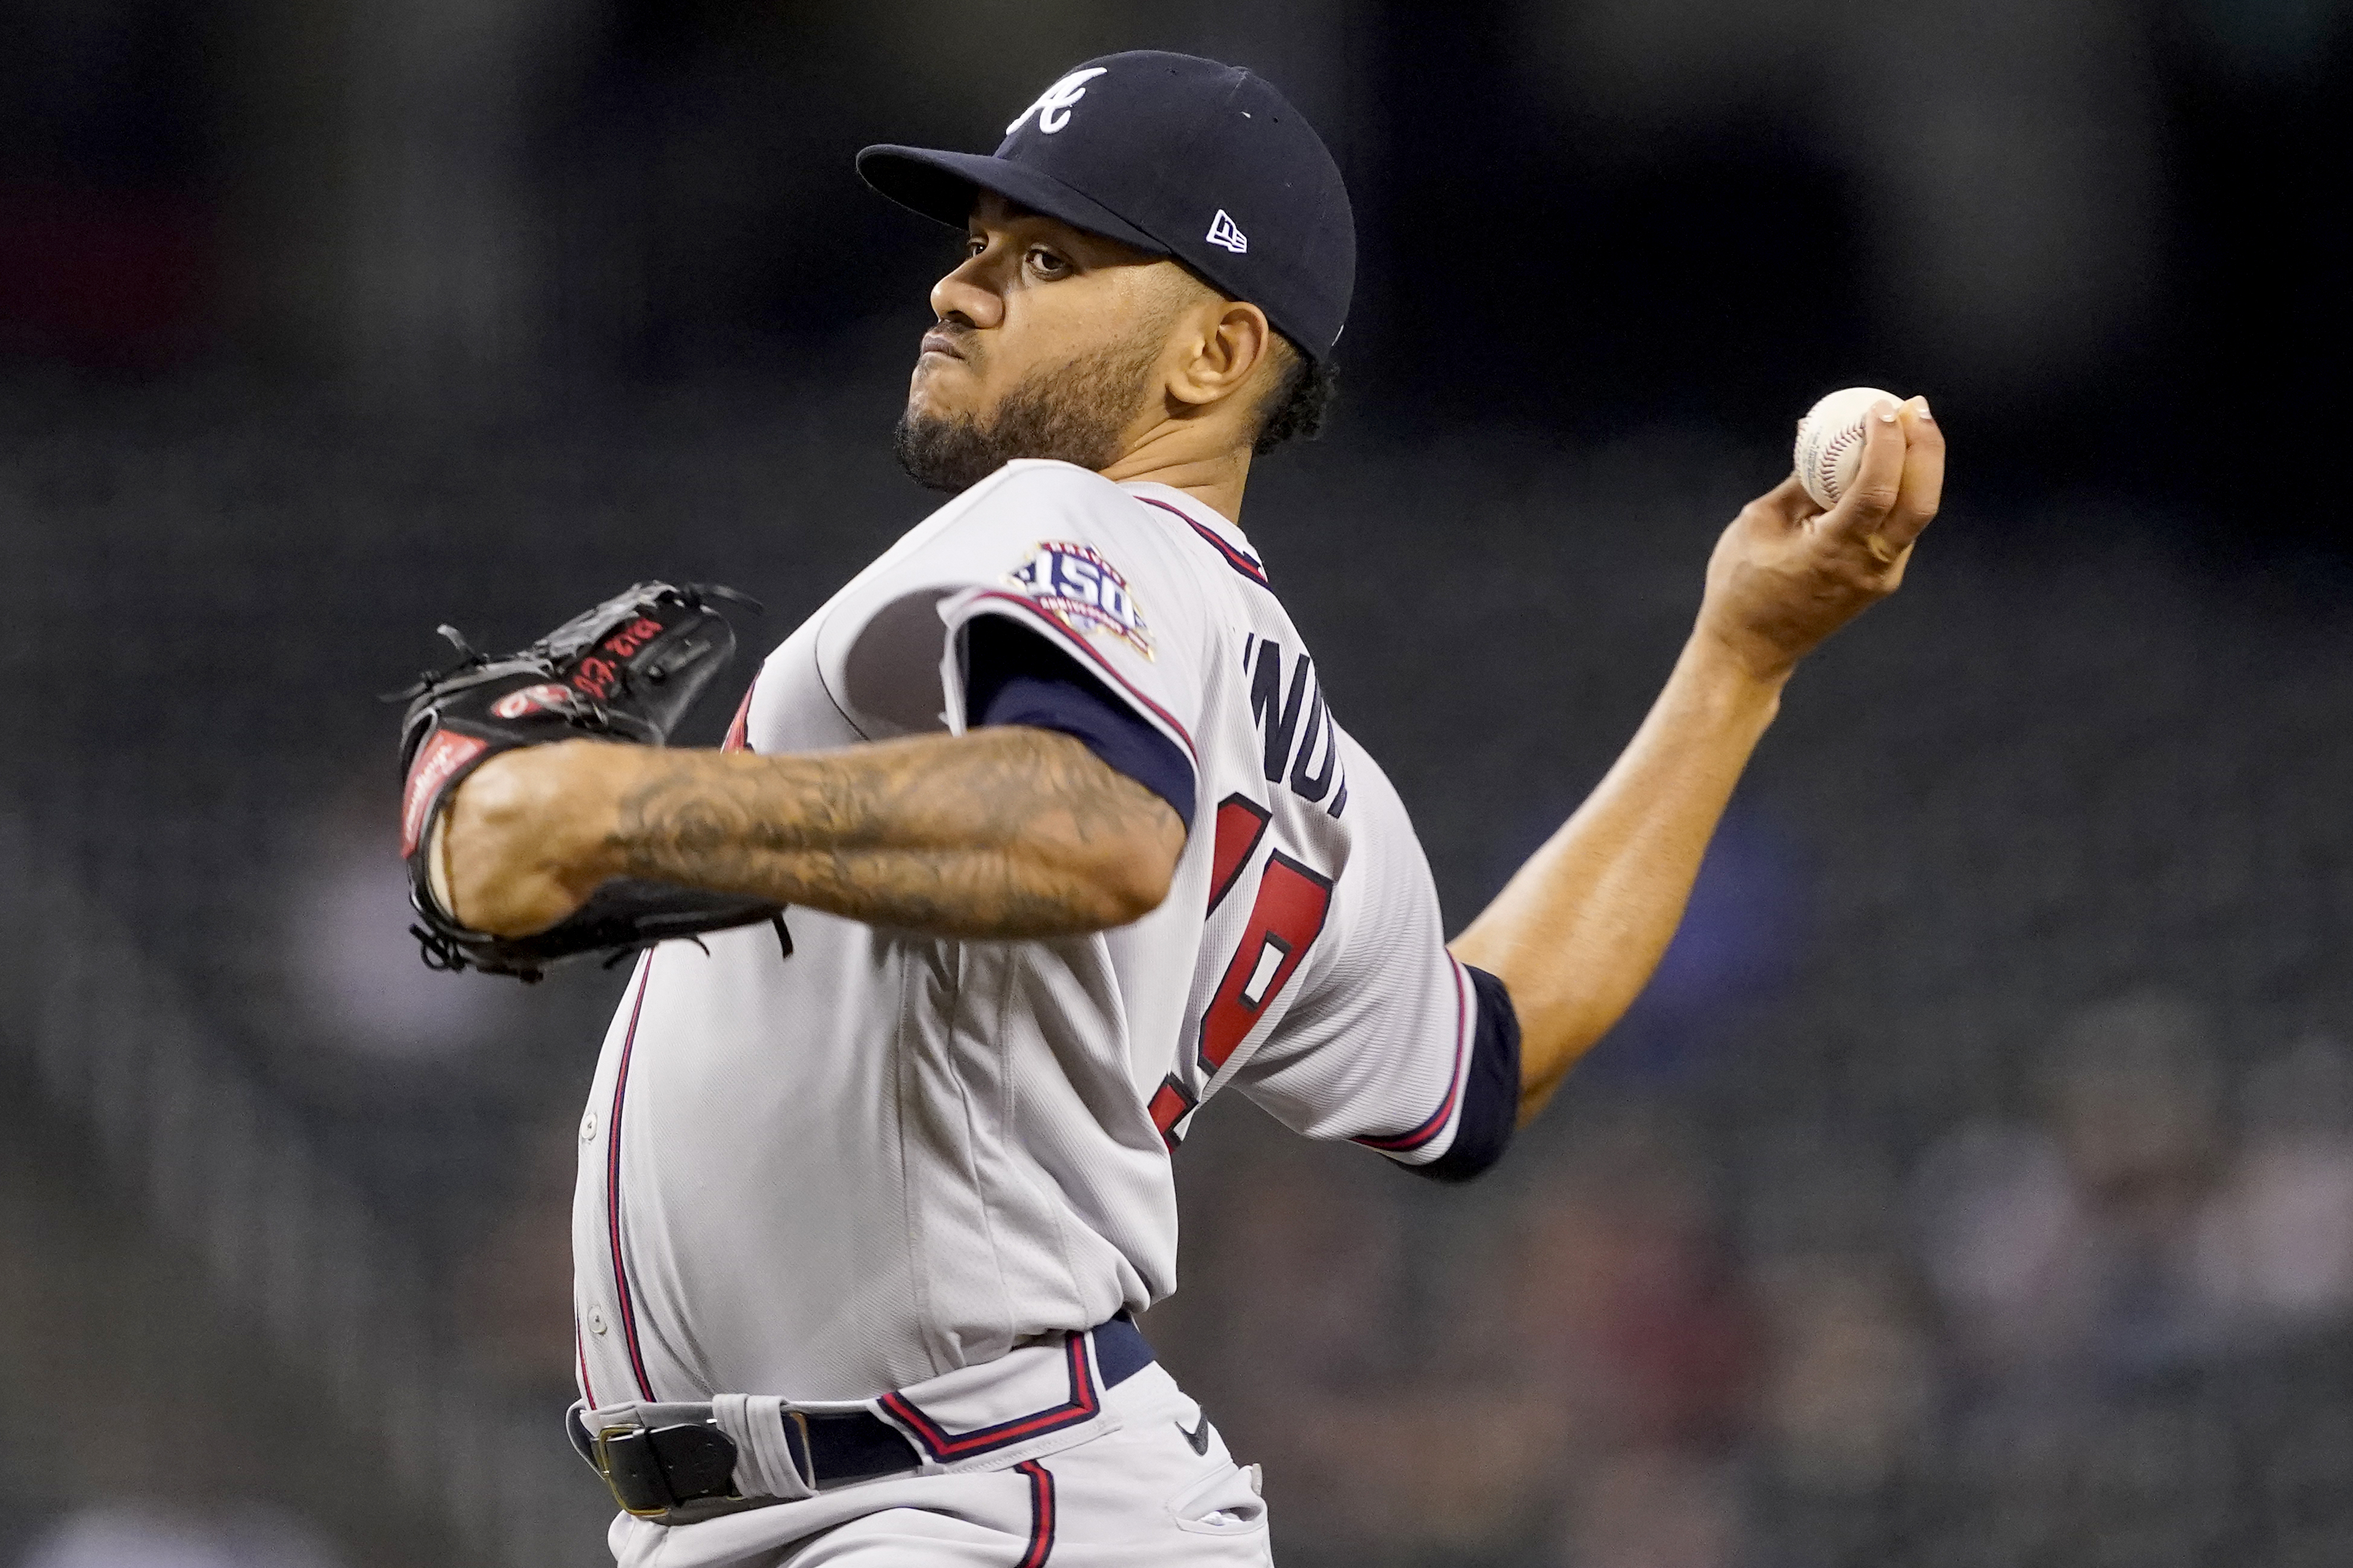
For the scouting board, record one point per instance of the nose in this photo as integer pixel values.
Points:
(966, 292)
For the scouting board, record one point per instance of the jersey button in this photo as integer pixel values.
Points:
(588, 1128)
(596, 1319)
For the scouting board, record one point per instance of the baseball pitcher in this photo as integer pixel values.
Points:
(1038, 835)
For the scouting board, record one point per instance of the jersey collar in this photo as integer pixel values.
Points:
(1200, 516)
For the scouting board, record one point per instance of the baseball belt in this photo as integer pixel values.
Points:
(682, 1468)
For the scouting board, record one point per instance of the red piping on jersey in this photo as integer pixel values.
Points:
(1406, 1142)
(1041, 1514)
(613, 1182)
(1246, 564)
(1081, 1406)
(739, 729)
(1081, 644)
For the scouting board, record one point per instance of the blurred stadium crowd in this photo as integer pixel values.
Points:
(1974, 1188)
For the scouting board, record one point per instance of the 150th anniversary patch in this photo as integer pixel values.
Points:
(1077, 587)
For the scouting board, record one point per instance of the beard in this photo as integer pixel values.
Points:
(1075, 412)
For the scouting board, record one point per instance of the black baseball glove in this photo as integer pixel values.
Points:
(626, 670)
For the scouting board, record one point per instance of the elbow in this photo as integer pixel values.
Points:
(1132, 883)
(1132, 876)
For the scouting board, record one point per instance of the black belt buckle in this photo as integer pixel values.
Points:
(655, 1471)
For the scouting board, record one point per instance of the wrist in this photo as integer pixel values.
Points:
(1734, 670)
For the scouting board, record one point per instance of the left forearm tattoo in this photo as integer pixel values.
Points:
(1004, 833)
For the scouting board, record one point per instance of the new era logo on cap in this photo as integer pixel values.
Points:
(1223, 232)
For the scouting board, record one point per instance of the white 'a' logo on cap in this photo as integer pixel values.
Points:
(1054, 105)
(1223, 232)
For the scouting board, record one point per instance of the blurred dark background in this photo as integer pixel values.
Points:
(1975, 1186)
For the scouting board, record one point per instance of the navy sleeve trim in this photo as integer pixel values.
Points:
(1491, 1089)
(1013, 676)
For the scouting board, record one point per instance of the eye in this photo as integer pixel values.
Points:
(1046, 263)
(973, 245)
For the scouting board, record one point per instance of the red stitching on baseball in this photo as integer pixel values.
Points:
(1827, 456)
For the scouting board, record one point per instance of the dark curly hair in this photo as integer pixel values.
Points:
(1294, 410)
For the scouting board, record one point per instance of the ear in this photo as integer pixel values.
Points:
(1229, 341)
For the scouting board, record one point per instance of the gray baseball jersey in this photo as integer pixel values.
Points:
(887, 1155)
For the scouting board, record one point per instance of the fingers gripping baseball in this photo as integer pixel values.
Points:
(1896, 490)
(1786, 574)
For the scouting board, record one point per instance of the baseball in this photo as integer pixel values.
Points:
(1829, 442)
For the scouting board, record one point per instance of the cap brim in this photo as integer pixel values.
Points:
(941, 186)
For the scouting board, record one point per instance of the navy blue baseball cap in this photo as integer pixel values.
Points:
(1176, 155)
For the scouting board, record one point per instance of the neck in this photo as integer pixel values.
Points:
(1216, 480)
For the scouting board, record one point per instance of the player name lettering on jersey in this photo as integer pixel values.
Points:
(1301, 743)
(1086, 592)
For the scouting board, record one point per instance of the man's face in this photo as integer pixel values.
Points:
(1047, 344)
